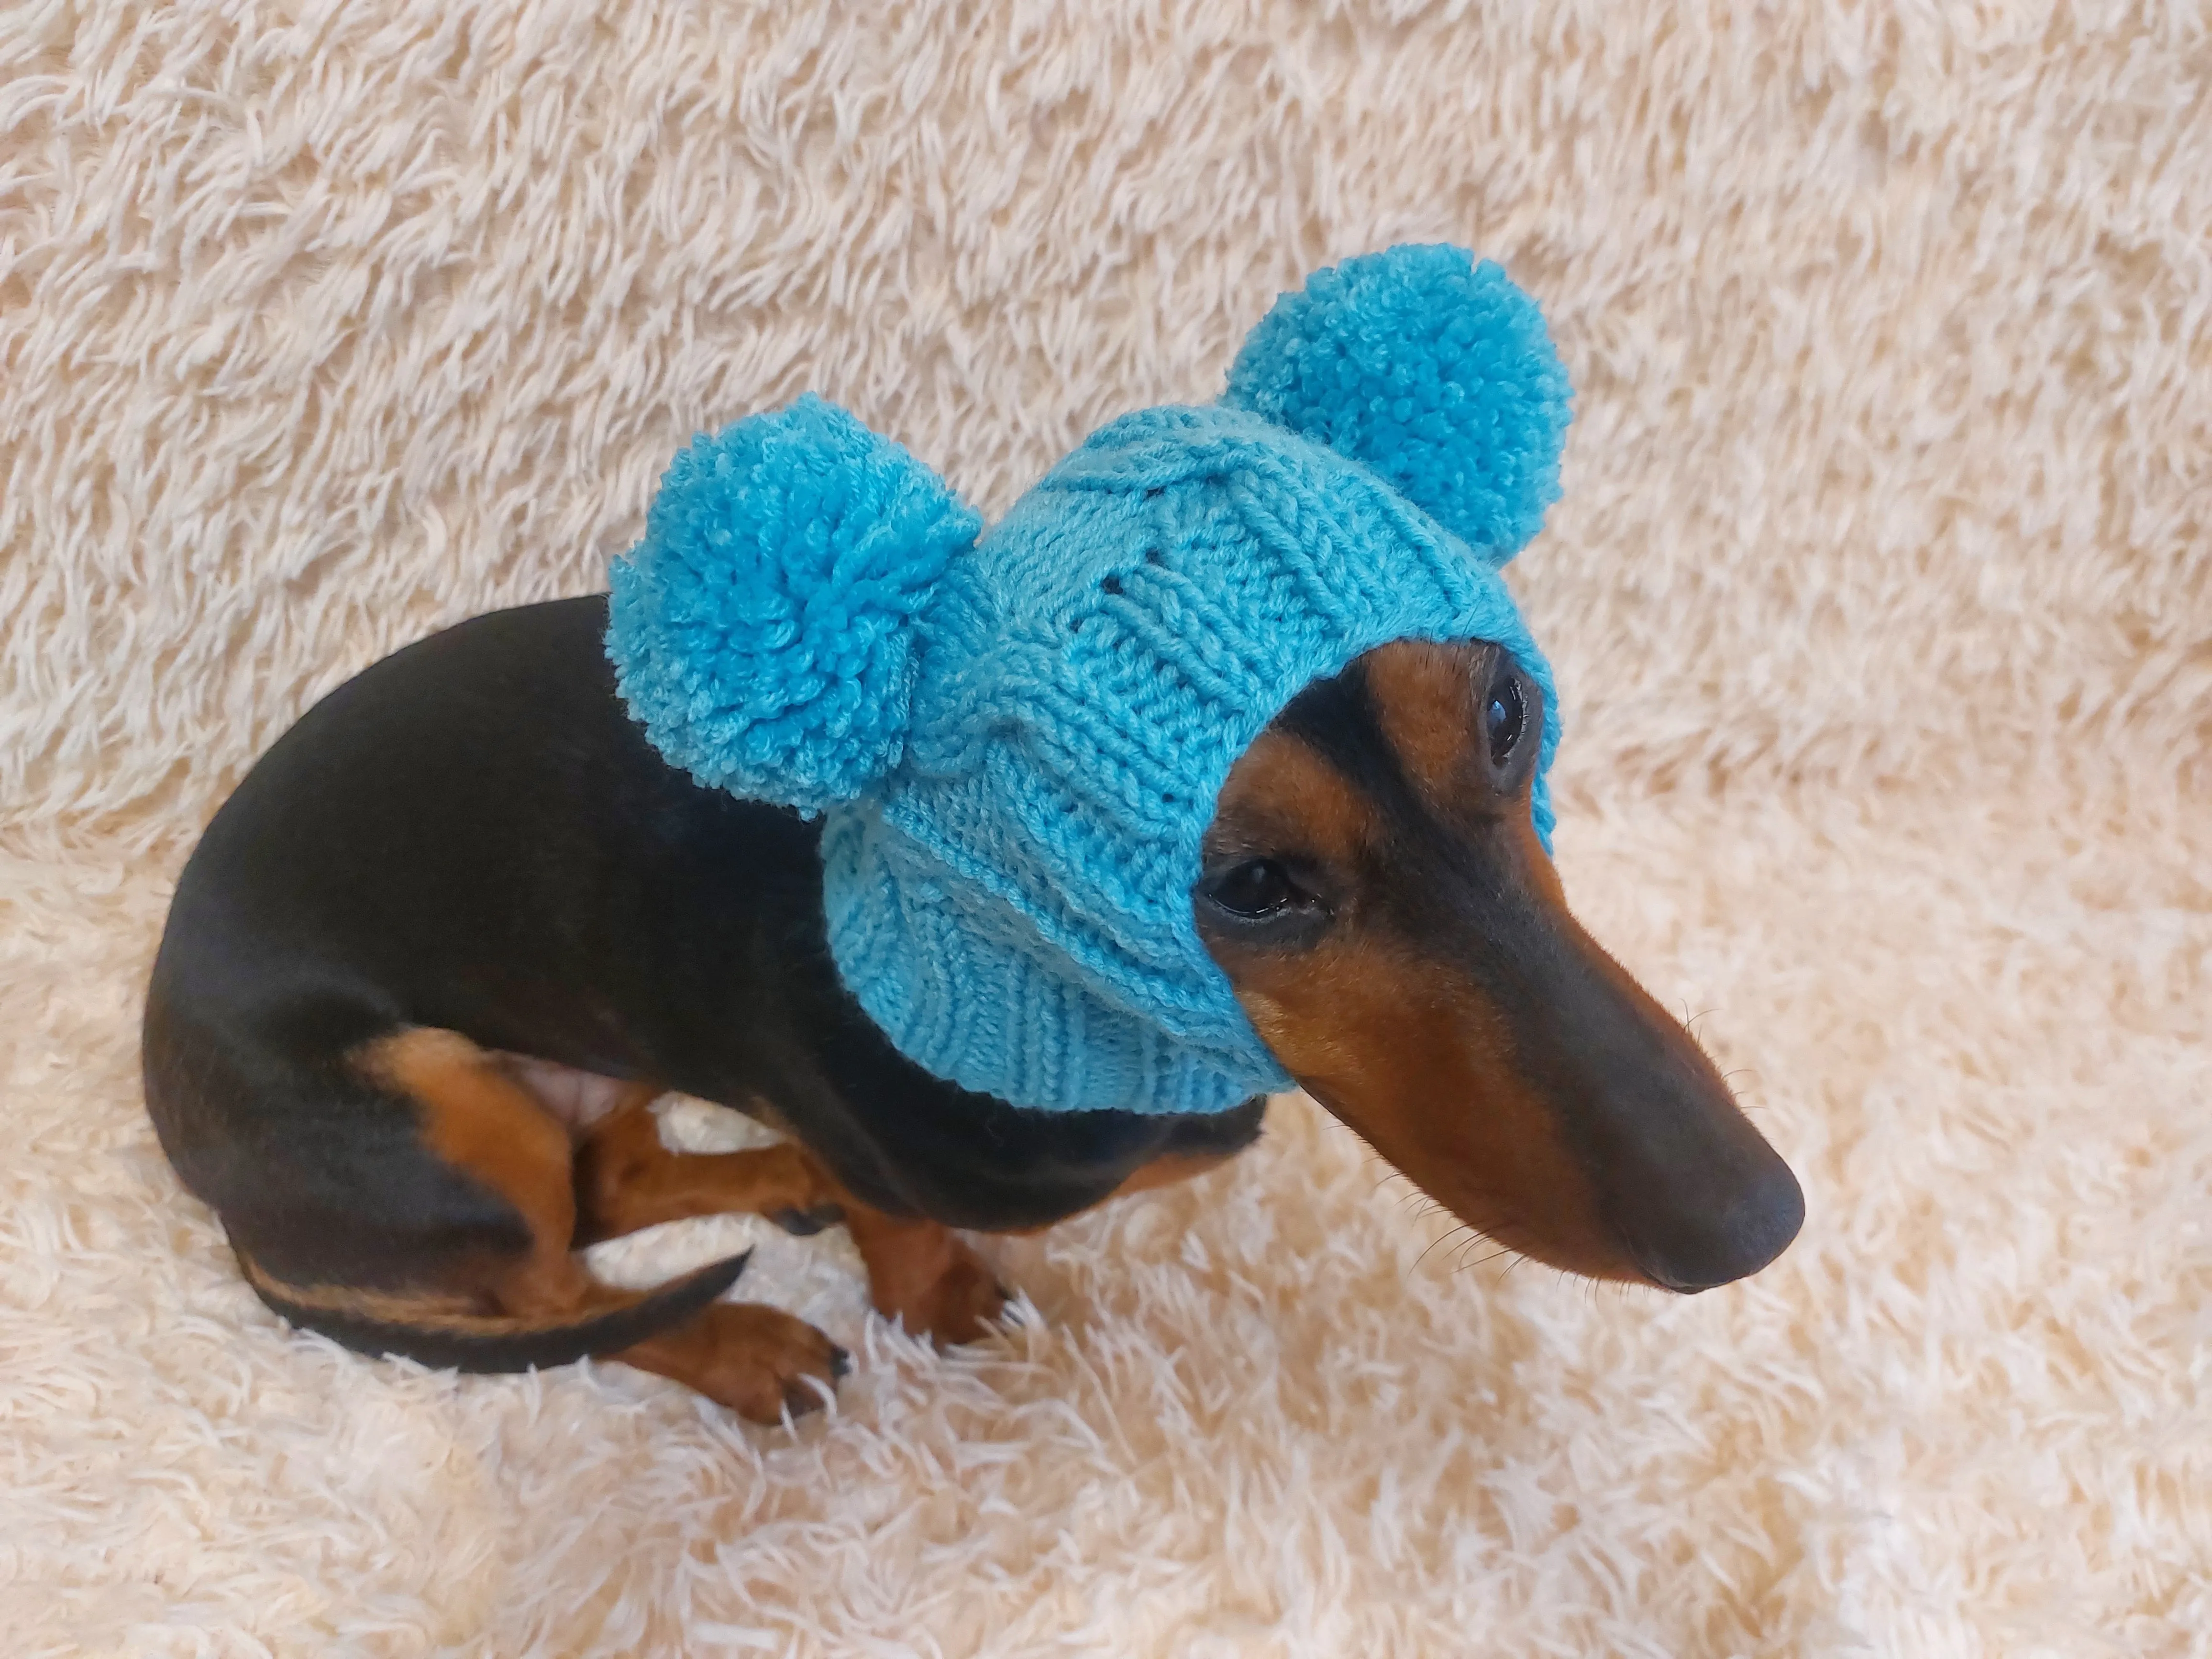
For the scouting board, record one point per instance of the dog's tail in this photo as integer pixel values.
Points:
(435, 1333)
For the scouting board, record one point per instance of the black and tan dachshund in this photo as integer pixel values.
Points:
(437, 956)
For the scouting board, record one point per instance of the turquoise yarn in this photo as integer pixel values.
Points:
(1435, 371)
(765, 631)
(1016, 743)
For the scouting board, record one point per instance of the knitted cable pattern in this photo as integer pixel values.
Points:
(1017, 746)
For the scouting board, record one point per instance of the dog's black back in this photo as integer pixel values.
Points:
(473, 835)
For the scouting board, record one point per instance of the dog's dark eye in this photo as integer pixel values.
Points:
(1253, 891)
(1504, 717)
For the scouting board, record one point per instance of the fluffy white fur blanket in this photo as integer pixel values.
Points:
(1882, 595)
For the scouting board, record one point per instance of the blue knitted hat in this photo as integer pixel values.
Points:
(1016, 742)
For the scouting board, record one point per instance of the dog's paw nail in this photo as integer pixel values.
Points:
(798, 1400)
(803, 1224)
(841, 1362)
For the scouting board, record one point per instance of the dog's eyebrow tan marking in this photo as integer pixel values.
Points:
(1426, 701)
(1284, 796)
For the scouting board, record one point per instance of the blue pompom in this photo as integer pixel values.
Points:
(763, 632)
(1433, 370)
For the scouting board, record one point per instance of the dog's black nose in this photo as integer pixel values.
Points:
(1740, 1234)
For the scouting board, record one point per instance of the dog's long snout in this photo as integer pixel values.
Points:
(1703, 1215)
(1696, 1195)
(1399, 935)
(1755, 1226)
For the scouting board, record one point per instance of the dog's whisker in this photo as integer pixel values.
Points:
(1432, 1244)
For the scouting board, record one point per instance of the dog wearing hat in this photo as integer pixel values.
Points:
(1004, 871)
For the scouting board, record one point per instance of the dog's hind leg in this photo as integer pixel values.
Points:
(758, 1361)
(507, 1291)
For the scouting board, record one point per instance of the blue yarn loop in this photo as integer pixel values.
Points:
(1016, 741)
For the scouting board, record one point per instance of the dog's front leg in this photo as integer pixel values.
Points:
(627, 1179)
(924, 1275)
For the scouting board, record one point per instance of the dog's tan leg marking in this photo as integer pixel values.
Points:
(918, 1271)
(754, 1359)
(477, 1117)
(924, 1275)
(626, 1179)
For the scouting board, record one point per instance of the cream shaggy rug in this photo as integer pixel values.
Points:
(1882, 596)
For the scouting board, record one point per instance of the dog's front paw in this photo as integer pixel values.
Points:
(760, 1362)
(959, 1304)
